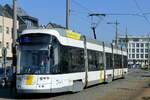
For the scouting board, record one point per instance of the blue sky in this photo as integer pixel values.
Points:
(54, 11)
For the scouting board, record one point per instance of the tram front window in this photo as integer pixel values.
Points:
(34, 62)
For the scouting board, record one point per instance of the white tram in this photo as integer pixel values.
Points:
(59, 60)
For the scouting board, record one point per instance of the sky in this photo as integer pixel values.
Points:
(54, 11)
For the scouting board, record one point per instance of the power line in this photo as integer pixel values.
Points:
(146, 13)
(83, 7)
(74, 13)
(138, 7)
(141, 11)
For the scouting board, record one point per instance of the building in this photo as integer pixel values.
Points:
(24, 19)
(54, 25)
(6, 26)
(138, 49)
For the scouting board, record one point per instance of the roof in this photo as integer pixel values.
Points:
(62, 32)
(21, 12)
(3, 12)
(54, 25)
(137, 37)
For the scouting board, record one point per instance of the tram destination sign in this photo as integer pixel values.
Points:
(73, 35)
(34, 38)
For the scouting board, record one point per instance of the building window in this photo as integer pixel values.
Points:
(0, 44)
(137, 55)
(129, 44)
(7, 45)
(137, 45)
(133, 44)
(146, 44)
(136, 40)
(146, 55)
(133, 50)
(137, 50)
(142, 45)
(129, 50)
(7, 30)
(142, 50)
(129, 55)
(1, 29)
(146, 50)
(141, 55)
(133, 55)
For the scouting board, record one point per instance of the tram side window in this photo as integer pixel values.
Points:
(72, 59)
(100, 60)
(125, 61)
(77, 59)
(116, 61)
(109, 64)
(55, 59)
(64, 63)
(120, 61)
(95, 60)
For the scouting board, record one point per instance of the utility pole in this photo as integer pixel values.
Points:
(67, 14)
(148, 52)
(127, 41)
(126, 38)
(116, 23)
(14, 36)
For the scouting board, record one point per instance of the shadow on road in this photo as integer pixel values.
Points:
(40, 96)
(7, 93)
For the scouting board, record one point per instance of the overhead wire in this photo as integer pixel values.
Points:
(83, 7)
(141, 11)
(87, 11)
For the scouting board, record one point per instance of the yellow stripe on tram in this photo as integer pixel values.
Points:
(101, 77)
(29, 79)
(72, 35)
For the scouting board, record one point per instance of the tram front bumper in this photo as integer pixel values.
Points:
(33, 91)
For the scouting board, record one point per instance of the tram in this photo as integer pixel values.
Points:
(60, 60)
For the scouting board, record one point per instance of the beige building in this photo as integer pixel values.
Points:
(6, 34)
(6, 26)
(6, 37)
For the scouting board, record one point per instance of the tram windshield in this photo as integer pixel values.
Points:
(34, 62)
(34, 54)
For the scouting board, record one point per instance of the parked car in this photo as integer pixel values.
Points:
(6, 80)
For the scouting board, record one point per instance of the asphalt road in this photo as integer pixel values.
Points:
(136, 86)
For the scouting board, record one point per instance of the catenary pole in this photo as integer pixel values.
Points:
(67, 14)
(116, 23)
(148, 52)
(14, 36)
